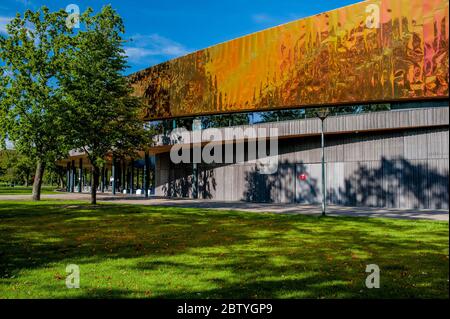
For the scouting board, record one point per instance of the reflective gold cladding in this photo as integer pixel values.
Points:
(331, 58)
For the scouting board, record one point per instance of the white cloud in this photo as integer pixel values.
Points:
(3, 22)
(262, 18)
(145, 46)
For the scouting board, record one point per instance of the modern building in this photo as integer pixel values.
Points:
(390, 53)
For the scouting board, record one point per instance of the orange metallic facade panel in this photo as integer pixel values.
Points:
(376, 50)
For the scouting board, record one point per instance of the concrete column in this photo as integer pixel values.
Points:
(73, 176)
(146, 174)
(124, 180)
(118, 174)
(126, 176)
(132, 177)
(68, 177)
(113, 173)
(152, 171)
(80, 175)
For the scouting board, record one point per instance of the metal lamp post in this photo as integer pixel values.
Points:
(322, 114)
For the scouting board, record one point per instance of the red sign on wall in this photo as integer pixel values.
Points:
(303, 177)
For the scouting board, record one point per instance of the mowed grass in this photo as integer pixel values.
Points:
(22, 190)
(152, 252)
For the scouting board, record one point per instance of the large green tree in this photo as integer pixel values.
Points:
(32, 55)
(103, 117)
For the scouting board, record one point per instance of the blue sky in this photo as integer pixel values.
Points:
(164, 29)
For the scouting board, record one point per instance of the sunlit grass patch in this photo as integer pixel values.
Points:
(22, 190)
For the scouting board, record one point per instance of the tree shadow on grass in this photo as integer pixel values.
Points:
(229, 254)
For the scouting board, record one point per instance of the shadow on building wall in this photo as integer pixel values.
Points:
(181, 182)
(259, 187)
(284, 186)
(394, 183)
(398, 182)
(206, 183)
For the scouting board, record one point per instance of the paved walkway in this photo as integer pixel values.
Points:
(332, 210)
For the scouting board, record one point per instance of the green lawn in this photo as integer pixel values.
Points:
(151, 252)
(22, 190)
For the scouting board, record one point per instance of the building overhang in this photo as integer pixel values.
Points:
(371, 52)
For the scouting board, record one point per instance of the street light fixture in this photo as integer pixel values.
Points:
(322, 113)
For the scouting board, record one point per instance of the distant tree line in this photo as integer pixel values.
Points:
(287, 115)
(18, 170)
(235, 119)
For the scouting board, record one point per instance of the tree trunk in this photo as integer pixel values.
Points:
(61, 175)
(94, 184)
(27, 177)
(40, 166)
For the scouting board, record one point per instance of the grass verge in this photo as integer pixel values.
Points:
(22, 190)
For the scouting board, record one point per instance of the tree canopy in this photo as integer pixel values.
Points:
(32, 117)
(64, 89)
(104, 118)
